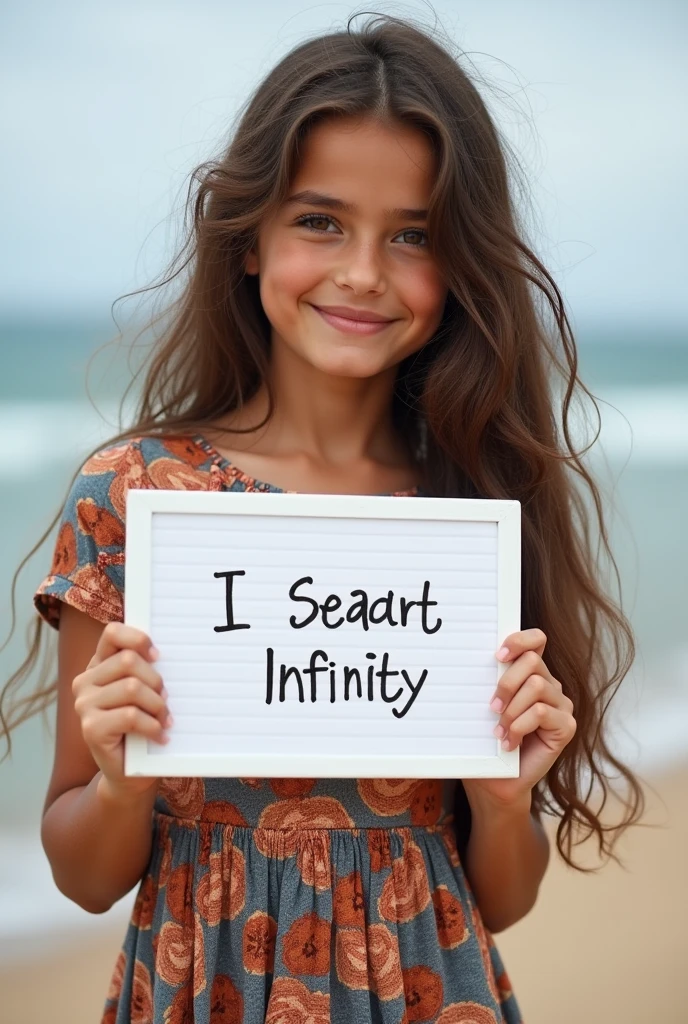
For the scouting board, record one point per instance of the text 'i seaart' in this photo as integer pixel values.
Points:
(346, 682)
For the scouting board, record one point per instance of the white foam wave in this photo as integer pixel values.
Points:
(642, 425)
(35, 914)
(35, 435)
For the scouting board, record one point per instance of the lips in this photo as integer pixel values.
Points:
(346, 325)
(359, 315)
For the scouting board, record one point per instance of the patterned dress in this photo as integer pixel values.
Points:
(285, 901)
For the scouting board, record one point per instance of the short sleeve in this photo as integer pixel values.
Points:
(87, 569)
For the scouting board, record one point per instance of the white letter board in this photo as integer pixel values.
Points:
(258, 603)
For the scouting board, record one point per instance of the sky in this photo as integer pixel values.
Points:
(107, 108)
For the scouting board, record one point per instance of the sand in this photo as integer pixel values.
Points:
(597, 948)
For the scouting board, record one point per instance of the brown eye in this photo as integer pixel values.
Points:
(309, 217)
(416, 231)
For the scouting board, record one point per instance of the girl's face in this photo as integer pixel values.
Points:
(359, 241)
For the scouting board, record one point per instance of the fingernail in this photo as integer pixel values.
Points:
(154, 653)
(505, 744)
(497, 705)
(164, 693)
(169, 721)
(502, 653)
(498, 731)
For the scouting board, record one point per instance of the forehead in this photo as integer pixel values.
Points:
(358, 159)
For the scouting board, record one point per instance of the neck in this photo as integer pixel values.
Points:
(336, 420)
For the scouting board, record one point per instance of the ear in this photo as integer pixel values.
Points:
(251, 264)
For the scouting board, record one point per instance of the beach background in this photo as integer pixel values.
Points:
(102, 128)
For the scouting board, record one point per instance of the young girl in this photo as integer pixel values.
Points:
(357, 317)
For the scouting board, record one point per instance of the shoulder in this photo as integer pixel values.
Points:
(98, 497)
(99, 488)
(146, 461)
(87, 569)
(175, 463)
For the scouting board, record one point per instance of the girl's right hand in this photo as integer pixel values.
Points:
(120, 692)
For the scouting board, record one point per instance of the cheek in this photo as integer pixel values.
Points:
(425, 296)
(290, 271)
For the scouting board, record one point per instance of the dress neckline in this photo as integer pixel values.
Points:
(224, 463)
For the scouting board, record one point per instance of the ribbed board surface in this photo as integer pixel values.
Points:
(219, 681)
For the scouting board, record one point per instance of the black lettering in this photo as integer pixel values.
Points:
(383, 673)
(330, 605)
(284, 676)
(371, 673)
(405, 604)
(313, 669)
(415, 690)
(268, 686)
(387, 614)
(359, 610)
(296, 597)
(229, 608)
(348, 674)
(425, 603)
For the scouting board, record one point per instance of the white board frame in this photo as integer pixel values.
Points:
(142, 505)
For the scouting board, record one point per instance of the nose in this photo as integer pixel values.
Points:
(361, 269)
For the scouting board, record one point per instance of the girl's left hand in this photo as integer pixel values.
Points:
(534, 712)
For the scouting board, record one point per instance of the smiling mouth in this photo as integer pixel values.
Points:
(350, 326)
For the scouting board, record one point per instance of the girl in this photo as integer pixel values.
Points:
(357, 318)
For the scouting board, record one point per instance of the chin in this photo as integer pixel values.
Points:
(349, 367)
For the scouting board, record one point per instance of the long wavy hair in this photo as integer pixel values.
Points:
(485, 403)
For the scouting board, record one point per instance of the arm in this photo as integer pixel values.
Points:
(508, 849)
(506, 859)
(96, 829)
(98, 845)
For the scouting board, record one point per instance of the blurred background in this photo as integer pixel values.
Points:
(107, 110)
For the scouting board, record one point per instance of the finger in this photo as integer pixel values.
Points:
(514, 677)
(125, 692)
(560, 724)
(102, 728)
(517, 643)
(535, 688)
(122, 664)
(117, 636)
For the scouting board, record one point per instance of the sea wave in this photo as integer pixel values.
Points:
(640, 425)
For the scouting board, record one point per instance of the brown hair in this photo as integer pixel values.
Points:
(477, 401)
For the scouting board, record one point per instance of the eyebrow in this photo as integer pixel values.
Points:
(311, 198)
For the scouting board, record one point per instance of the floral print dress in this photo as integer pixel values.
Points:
(285, 901)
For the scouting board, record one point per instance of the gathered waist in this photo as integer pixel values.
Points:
(168, 821)
(308, 804)
(313, 846)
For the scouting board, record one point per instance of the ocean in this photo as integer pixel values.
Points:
(47, 424)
